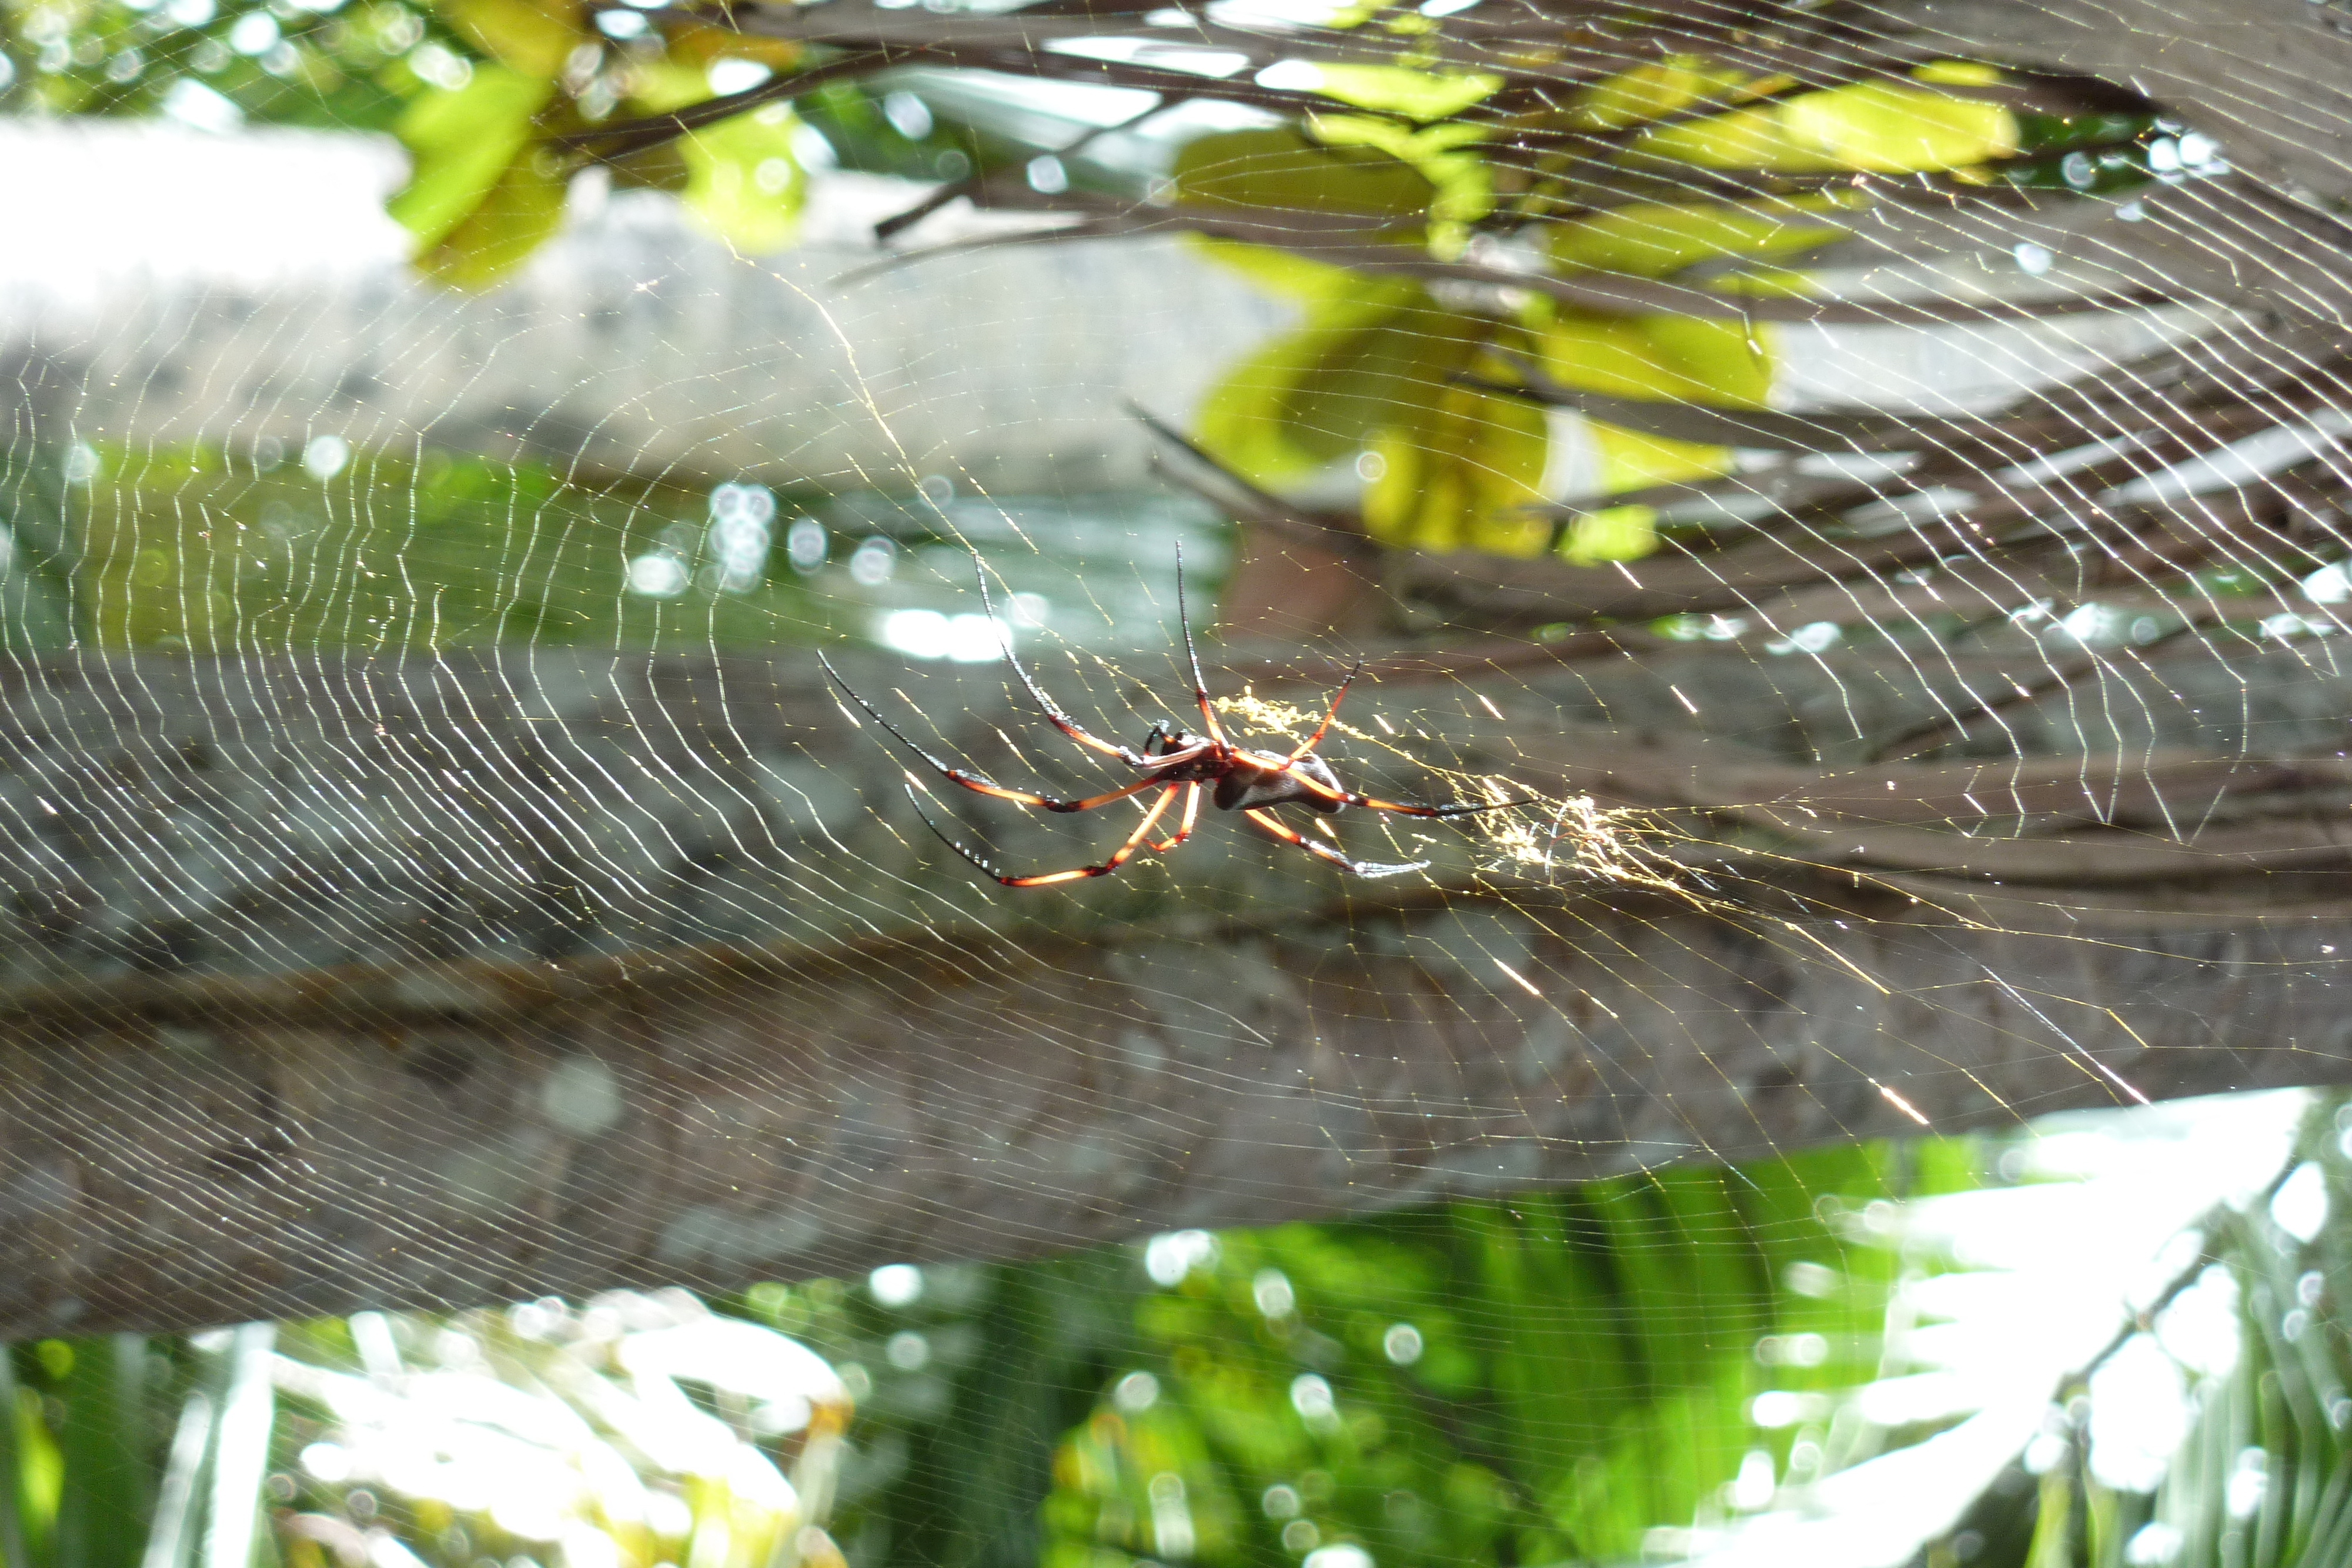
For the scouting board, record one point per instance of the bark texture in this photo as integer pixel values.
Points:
(339, 984)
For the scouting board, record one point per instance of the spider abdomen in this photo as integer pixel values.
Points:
(1253, 780)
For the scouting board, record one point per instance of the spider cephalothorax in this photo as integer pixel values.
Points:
(1247, 781)
(1237, 778)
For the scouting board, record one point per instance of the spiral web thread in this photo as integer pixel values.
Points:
(440, 875)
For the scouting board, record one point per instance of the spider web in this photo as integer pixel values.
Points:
(432, 843)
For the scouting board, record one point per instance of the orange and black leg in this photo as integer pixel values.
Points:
(1046, 704)
(981, 784)
(1193, 656)
(1291, 835)
(1405, 807)
(1118, 858)
(1331, 713)
(1192, 815)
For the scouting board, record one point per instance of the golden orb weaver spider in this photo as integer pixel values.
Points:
(1237, 779)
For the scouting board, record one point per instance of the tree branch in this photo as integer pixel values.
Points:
(464, 983)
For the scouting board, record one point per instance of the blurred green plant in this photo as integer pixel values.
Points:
(1414, 377)
(635, 1429)
(1471, 241)
(1612, 1374)
(1552, 1378)
(207, 552)
(2246, 1355)
(475, 90)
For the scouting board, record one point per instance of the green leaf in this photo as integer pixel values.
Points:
(743, 180)
(463, 144)
(519, 211)
(1280, 170)
(41, 1473)
(1876, 127)
(536, 37)
(1651, 239)
(108, 1445)
(1417, 95)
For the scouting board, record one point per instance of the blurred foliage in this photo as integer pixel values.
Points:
(638, 1429)
(1549, 1378)
(1394, 373)
(474, 90)
(341, 66)
(2251, 1348)
(1545, 1379)
(1565, 1378)
(1685, 168)
(204, 551)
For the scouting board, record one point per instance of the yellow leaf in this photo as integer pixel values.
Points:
(1959, 73)
(1281, 273)
(1462, 185)
(1678, 359)
(1885, 128)
(740, 176)
(698, 43)
(1632, 461)
(1612, 533)
(1463, 472)
(1417, 95)
(1667, 87)
(1365, 353)
(658, 85)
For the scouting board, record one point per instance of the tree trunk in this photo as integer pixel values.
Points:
(339, 983)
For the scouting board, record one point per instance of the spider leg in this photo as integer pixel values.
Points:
(1349, 798)
(1053, 715)
(1200, 686)
(1118, 858)
(1192, 815)
(1459, 808)
(1312, 741)
(981, 784)
(1291, 835)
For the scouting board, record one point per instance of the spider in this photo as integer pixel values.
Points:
(1237, 779)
